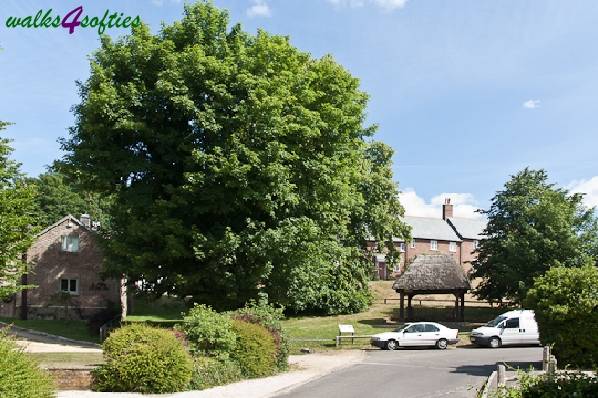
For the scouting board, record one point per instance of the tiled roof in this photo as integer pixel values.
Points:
(431, 228)
(468, 228)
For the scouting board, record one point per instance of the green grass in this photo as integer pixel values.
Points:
(76, 330)
(164, 309)
(64, 359)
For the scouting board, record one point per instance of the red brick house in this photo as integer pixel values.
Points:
(456, 237)
(64, 264)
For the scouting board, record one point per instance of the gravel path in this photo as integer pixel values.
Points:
(309, 367)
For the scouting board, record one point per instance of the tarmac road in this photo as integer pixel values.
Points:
(418, 373)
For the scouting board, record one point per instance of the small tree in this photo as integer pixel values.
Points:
(566, 304)
(17, 207)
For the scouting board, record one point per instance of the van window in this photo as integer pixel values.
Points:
(496, 321)
(512, 323)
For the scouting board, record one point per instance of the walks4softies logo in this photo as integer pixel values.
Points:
(74, 19)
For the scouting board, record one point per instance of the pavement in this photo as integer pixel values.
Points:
(304, 368)
(34, 341)
(418, 373)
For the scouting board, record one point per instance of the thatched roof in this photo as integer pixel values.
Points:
(432, 273)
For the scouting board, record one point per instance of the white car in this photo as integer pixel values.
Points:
(416, 334)
(510, 328)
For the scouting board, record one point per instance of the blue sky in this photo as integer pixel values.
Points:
(466, 92)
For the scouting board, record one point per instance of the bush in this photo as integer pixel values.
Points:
(565, 302)
(255, 350)
(208, 332)
(268, 316)
(20, 376)
(211, 372)
(569, 385)
(143, 359)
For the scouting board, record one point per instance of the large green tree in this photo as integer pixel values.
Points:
(17, 207)
(532, 226)
(239, 164)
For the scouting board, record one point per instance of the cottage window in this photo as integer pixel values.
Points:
(453, 247)
(476, 245)
(413, 243)
(402, 247)
(70, 286)
(70, 243)
(433, 245)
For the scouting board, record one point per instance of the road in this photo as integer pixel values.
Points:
(417, 373)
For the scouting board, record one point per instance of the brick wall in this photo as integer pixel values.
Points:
(422, 246)
(48, 264)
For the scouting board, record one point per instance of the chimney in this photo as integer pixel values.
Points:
(86, 220)
(447, 209)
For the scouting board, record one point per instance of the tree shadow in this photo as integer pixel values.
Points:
(487, 369)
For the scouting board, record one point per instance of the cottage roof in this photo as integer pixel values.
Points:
(469, 228)
(431, 228)
(432, 273)
(70, 217)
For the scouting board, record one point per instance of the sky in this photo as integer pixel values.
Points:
(467, 92)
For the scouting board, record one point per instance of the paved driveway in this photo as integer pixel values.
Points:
(417, 373)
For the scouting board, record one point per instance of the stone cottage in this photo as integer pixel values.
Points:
(64, 266)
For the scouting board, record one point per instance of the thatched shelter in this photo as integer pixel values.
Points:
(432, 274)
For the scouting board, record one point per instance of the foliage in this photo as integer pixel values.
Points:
(16, 217)
(269, 316)
(211, 372)
(20, 377)
(238, 163)
(568, 385)
(565, 301)
(58, 197)
(143, 359)
(532, 226)
(255, 350)
(208, 332)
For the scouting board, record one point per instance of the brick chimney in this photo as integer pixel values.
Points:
(447, 209)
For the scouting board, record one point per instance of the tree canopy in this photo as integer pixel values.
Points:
(17, 207)
(532, 226)
(238, 164)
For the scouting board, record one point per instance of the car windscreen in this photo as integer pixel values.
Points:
(496, 321)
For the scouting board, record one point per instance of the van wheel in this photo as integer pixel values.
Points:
(441, 344)
(495, 342)
(391, 345)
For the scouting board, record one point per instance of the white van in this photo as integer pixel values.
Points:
(510, 328)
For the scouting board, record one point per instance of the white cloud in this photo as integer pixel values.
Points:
(259, 8)
(464, 204)
(388, 5)
(589, 187)
(531, 104)
(160, 3)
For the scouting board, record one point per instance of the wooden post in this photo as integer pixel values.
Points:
(545, 358)
(456, 309)
(500, 371)
(462, 314)
(402, 311)
(409, 307)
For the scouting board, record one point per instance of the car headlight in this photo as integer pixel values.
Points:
(476, 334)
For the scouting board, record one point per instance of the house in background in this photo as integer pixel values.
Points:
(64, 265)
(452, 236)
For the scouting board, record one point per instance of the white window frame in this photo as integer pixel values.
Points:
(69, 291)
(433, 245)
(67, 243)
(476, 244)
(402, 247)
(412, 243)
(453, 247)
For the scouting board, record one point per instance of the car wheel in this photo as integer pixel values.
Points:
(495, 342)
(441, 344)
(391, 345)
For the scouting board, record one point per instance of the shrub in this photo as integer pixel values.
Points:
(268, 316)
(255, 350)
(20, 377)
(565, 302)
(211, 372)
(566, 385)
(208, 332)
(144, 359)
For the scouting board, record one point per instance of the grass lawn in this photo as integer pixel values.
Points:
(63, 359)
(164, 309)
(77, 330)
(379, 318)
